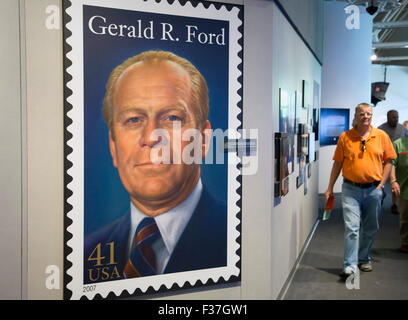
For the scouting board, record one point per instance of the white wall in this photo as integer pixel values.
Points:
(292, 220)
(10, 153)
(346, 73)
(44, 149)
(306, 15)
(396, 96)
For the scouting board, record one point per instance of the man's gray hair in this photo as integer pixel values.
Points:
(362, 105)
(199, 89)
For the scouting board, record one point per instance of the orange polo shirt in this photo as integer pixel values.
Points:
(360, 166)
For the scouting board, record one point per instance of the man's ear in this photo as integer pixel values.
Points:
(206, 136)
(112, 148)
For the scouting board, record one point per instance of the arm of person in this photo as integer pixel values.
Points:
(395, 187)
(388, 156)
(387, 170)
(336, 169)
(404, 132)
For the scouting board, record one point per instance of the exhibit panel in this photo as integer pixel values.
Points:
(42, 38)
(11, 141)
(125, 47)
(295, 68)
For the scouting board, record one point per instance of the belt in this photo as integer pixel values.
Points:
(362, 185)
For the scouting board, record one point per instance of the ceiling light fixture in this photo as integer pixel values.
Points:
(373, 55)
(372, 9)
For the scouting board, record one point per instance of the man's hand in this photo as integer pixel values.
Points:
(334, 174)
(328, 193)
(395, 188)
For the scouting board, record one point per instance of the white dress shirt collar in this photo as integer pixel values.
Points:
(171, 223)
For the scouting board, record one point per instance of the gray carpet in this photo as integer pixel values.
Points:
(316, 277)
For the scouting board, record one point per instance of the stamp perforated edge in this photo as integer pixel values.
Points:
(73, 154)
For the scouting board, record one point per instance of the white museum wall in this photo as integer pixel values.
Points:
(272, 236)
(293, 220)
(346, 72)
(307, 17)
(11, 153)
(44, 107)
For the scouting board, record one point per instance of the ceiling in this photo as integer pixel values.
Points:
(390, 30)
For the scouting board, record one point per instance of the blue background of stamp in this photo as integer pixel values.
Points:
(105, 199)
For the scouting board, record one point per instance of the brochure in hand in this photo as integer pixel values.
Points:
(328, 208)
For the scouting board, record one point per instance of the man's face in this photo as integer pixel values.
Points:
(363, 116)
(148, 97)
(392, 119)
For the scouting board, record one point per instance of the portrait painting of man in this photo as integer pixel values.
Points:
(154, 90)
(151, 95)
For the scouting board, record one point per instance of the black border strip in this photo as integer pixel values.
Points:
(67, 294)
(67, 149)
(284, 12)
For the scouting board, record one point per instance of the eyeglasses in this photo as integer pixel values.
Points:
(368, 114)
(364, 149)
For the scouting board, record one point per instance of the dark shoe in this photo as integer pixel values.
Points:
(365, 267)
(394, 209)
(404, 248)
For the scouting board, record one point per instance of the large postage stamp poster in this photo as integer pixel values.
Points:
(152, 90)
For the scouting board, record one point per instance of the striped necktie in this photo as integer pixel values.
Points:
(142, 260)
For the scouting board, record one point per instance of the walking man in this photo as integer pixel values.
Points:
(360, 154)
(399, 187)
(395, 131)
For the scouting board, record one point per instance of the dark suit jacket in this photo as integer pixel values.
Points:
(203, 244)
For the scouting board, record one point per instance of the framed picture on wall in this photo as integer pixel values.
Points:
(302, 167)
(333, 122)
(305, 94)
(141, 215)
(287, 120)
(286, 112)
(316, 108)
(300, 112)
(282, 164)
(316, 117)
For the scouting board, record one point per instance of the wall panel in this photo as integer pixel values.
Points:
(10, 153)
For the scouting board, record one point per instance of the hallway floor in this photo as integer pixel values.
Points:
(317, 275)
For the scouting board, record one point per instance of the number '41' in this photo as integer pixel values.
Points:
(96, 254)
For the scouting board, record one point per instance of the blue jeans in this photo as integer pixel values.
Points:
(361, 209)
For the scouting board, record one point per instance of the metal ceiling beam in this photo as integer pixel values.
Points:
(390, 25)
(392, 16)
(386, 59)
(390, 45)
